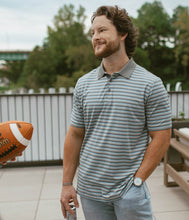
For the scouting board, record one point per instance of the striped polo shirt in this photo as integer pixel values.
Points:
(117, 111)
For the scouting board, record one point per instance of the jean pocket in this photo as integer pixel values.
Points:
(147, 193)
(137, 193)
(134, 193)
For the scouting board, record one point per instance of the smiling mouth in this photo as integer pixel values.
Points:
(98, 45)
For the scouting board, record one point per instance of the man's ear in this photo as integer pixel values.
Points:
(123, 36)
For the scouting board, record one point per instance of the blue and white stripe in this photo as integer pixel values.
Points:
(117, 112)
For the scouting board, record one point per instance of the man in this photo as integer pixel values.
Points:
(116, 108)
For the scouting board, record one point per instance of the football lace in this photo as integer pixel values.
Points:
(6, 152)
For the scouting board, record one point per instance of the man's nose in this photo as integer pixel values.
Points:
(96, 36)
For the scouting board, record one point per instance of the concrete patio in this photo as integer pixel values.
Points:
(33, 194)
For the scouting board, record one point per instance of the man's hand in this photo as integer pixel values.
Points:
(13, 159)
(68, 195)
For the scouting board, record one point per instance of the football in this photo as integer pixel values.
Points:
(15, 136)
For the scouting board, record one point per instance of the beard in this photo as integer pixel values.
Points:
(108, 49)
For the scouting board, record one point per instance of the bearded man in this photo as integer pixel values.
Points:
(120, 127)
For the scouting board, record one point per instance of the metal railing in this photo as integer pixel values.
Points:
(179, 102)
(50, 116)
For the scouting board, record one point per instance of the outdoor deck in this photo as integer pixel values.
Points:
(33, 194)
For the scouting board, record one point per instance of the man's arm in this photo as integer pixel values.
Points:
(156, 149)
(72, 146)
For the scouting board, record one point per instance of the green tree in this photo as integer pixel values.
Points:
(13, 70)
(66, 81)
(76, 50)
(155, 38)
(66, 51)
(142, 58)
(154, 25)
(67, 33)
(177, 12)
(181, 24)
(39, 70)
(81, 59)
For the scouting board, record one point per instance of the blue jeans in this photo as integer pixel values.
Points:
(135, 204)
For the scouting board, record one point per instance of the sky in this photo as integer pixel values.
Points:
(23, 23)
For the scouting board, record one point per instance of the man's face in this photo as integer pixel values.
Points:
(105, 38)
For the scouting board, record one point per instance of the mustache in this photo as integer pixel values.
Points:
(99, 42)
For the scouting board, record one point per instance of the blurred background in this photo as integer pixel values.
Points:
(47, 44)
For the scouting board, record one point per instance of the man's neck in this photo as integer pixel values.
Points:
(113, 64)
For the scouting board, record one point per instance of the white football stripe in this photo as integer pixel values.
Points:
(18, 135)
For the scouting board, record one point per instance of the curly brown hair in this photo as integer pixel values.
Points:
(122, 22)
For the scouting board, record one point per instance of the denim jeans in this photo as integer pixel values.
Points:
(135, 204)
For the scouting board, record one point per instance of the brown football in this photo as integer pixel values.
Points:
(15, 136)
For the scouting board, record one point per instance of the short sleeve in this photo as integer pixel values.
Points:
(158, 112)
(77, 117)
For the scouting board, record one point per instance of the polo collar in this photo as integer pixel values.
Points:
(126, 71)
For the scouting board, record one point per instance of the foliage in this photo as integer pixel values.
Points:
(67, 54)
(141, 57)
(66, 81)
(155, 35)
(154, 25)
(181, 25)
(13, 70)
(181, 114)
(66, 50)
(38, 71)
(67, 33)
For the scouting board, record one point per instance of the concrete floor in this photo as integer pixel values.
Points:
(33, 194)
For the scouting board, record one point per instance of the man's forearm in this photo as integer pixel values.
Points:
(72, 146)
(70, 163)
(154, 153)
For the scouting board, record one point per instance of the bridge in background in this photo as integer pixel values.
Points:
(14, 55)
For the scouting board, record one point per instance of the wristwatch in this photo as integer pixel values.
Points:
(137, 181)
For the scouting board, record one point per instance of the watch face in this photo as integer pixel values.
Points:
(137, 181)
